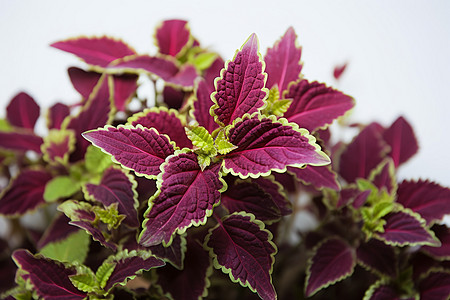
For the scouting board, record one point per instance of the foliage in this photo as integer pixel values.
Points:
(163, 200)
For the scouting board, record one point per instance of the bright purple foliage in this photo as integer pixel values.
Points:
(172, 36)
(23, 111)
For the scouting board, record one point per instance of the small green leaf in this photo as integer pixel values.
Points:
(97, 161)
(70, 208)
(104, 272)
(109, 216)
(381, 209)
(201, 138)
(280, 107)
(203, 60)
(60, 187)
(5, 126)
(204, 160)
(84, 282)
(72, 249)
(222, 144)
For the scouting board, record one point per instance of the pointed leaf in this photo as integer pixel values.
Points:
(60, 187)
(124, 88)
(435, 286)
(277, 192)
(50, 278)
(242, 248)
(333, 261)
(383, 177)
(23, 111)
(381, 291)
(403, 228)
(318, 176)
(265, 144)
(363, 154)
(96, 233)
(74, 248)
(24, 193)
(160, 66)
(56, 115)
(202, 105)
(84, 282)
(136, 148)
(426, 198)
(95, 50)
(339, 70)
(212, 73)
(400, 136)
(104, 273)
(128, 265)
(201, 138)
(185, 77)
(58, 145)
(222, 144)
(83, 81)
(117, 186)
(174, 254)
(315, 105)
(172, 36)
(443, 252)
(186, 196)
(21, 141)
(166, 121)
(379, 257)
(193, 280)
(283, 61)
(58, 230)
(240, 89)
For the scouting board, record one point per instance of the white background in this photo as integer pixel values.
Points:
(398, 52)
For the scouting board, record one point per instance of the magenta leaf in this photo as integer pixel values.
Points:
(378, 257)
(100, 51)
(339, 70)
(58, 230)
(56, 115)
(243, 249)
(49, 278)
(426, 198)
(352, 195)
(212, 73)
(174, 254)
(136, 148)
(173, 97)
(22, 111)
(186, 196)
(383, 177)
(159, 66)
(193, 280)
(381, 291)
(117, 186)
(240, 88)
(314, 105)
(166, 121)
(283, 61)
(435, 286)
(265, 144)
(202, 104)
(363, 154)
(333, 261)
(124, 89)
(97, 112)
(185, 77)
(443, 234)
(21, 141)
(403, 228)
(128, 265)
(277, 192)
(83, 81)
(318, 176)
(400, 136)
(57, 146)
(172, 36)
(24, 193)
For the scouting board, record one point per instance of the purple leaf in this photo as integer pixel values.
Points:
(333, 261)
(174, 254)
(185, 77)
(95, 113)
(202, 104)
(265, 144)
(22, 111)
(159, 66)
(83, 81)
(318, 176)
(56, 115)
(172, 36)
(186, 196)
(283, 61)
(192, 281)
(400, 136)
(128, 264)
(339, 70)
(240, 88)
(443, 234)
(117, 186)
(58, 230)
(168, 122)
(24, 193)
(384, 177)
(95, 50)
(174, 98)
(379, 257)
(380, 291)
(21, 141)
(314, 105)
(50, 278)
(57, 146)
(426, 198)
(363, 154)
(435, 286)
(212, 73)
(352, 195)
(137, 148)
(276, 191)
(96, 233)
(124, 88)
(403, 228)
(242, 248)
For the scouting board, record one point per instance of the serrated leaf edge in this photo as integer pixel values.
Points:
(48, 143)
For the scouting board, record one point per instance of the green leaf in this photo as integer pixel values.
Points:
(58, 145)
(104, 272)
(60, 187)
(275, 106)
(5, 126)
(222, 144)
(202, 61)
(381, 209)
(97, 161)
(201, 138)
(72, 249)
(84, 282)
(109, 216)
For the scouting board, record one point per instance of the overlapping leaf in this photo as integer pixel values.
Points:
(443, 234)
(201, 106)
(172, 36)
(174, 254)
(186, 196)
(242, 248)
(435, 286)
(137, 148)
(23, 111)
(265, 144)
(20, 141)
(383, 177)
(124, 87)
(400, 137)
(378, 257)
(283, 61)
(381, 291)
(314, 105)
(58, 230)
(56, 115)
(240, 88)
(58, 145)
(159, 66)
(317, 176)
(83, 81)
(24, 193)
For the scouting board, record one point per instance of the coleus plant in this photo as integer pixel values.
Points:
(197, 192)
